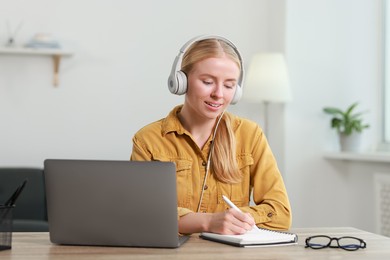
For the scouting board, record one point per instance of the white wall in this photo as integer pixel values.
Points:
(333, 54)
(116, 81)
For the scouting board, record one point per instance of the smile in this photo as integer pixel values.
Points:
(213, 105)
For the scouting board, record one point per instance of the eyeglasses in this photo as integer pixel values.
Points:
(346, 243)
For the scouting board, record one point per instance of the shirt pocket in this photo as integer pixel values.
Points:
(240, 192)
(183, 177)
(184, 182)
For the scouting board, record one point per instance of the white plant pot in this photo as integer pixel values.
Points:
(350, 143)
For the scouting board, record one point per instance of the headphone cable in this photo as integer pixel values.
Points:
(208, 160)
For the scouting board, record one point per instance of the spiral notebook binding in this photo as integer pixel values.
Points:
(277, 231)
(281, 232)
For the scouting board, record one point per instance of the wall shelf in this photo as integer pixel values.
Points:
(56, 55)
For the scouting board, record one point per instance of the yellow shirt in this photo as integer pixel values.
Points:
(167, 140)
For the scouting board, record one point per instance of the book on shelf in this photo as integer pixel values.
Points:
(254, 238)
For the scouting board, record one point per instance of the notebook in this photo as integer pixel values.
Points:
(254, 238)
(112, 203)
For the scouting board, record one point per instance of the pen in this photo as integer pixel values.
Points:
(231, 204)
(11, 201)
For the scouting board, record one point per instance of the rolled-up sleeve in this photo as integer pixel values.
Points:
(272, 209)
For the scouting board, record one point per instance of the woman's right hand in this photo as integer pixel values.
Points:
(230, 222)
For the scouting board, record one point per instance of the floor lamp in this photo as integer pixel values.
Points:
(267, 81)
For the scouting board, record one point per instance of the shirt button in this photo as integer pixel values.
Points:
(205, 187)
(204, 163)
(270, 215)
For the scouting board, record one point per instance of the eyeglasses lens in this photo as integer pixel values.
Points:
(349, 243)
(318, 242)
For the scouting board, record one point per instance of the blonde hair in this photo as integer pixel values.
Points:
(223, 160)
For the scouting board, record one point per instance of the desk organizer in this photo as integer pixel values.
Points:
(6, 227)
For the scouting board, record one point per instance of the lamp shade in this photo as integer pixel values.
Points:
(267, 79)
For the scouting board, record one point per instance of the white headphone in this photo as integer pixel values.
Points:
(177, 80)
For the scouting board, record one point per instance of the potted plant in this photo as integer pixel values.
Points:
(349, 124)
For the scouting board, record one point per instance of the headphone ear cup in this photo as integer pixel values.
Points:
(177, 83)
(181, 78)
(172, 84)
(237, 95)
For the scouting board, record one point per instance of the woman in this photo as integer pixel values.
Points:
(216, 153)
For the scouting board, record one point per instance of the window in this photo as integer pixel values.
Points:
(386, 74)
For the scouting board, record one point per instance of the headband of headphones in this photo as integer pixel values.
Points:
(177, 80)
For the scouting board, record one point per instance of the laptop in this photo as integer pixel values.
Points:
(112, 203)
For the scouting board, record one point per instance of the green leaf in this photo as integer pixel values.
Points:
(346, 122)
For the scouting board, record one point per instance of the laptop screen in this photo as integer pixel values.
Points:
(112, 203)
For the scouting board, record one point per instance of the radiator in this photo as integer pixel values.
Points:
(382, 201)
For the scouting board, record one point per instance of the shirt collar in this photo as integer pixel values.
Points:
(172, 123)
